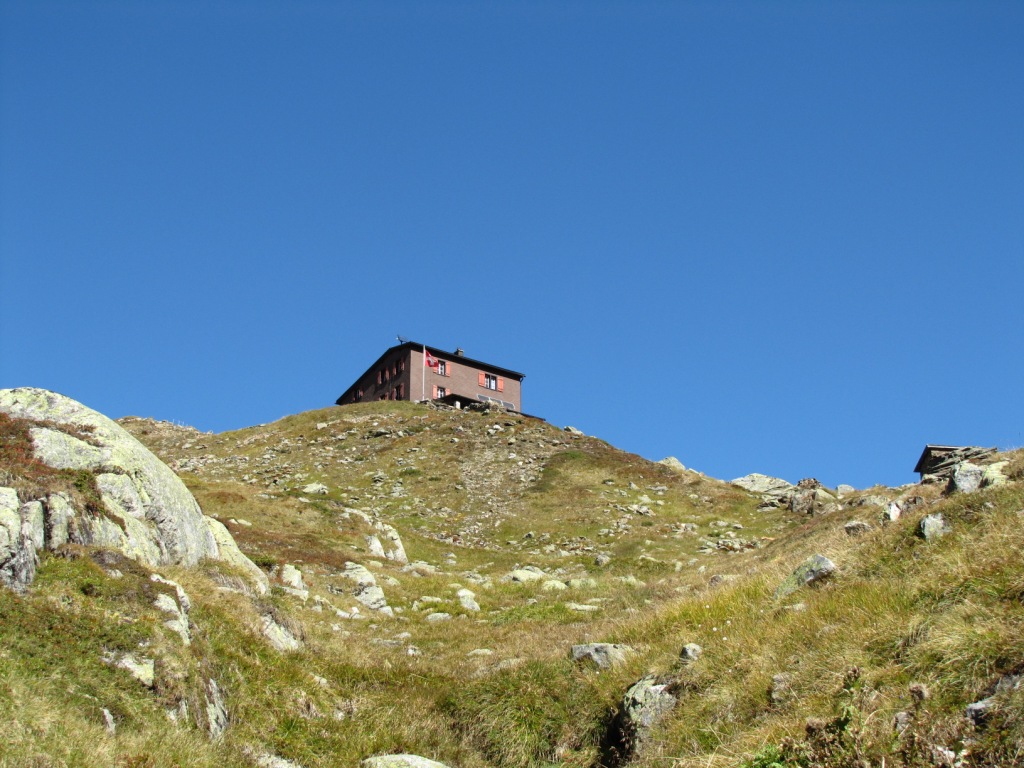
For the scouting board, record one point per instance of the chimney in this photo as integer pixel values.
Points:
(459, 352)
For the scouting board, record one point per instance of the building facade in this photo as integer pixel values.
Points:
(411, 371)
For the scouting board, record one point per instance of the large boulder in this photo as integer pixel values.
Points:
(149, 513)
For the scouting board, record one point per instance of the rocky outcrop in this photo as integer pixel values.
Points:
(150, 515)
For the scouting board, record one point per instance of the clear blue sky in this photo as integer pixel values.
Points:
(784, 237)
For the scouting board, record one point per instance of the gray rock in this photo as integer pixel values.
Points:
(216, 711)
(812, 501)
(845, 490)
(856, 528)
(391, 543)
(17, 541)
(400, 761)
(995, 474)
(814, 570)
(292, 577)
(267, 760)
(602, 655)
(373, 598)
(781, 689)
(525, 575)
(374, 547)
(143, 670)
(279, 636)
(108, 722)
(979, 711)
(967, 478)
(892, 513)
(644, 705)
(467, 599)
(673, 463)
(933, 527)
(229, 553)
(582, 607)
(175, 522)
(177, 609)
(318, 489)
(59, 514)
(433, 618)
(151, 516)
(758, 483)
(690, 653)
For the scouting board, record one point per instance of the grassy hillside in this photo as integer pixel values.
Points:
(622, 550)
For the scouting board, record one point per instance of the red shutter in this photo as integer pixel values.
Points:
(448, 369)
(501, 384)
(482, 381)
(435, 393)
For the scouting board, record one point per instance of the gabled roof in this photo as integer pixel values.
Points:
(439, 353)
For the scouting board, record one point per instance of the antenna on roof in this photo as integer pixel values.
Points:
(402, 340)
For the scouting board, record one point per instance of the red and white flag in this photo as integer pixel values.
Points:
(429, 360)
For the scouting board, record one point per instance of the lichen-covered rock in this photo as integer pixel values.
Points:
(673, 463)
(135, 484)
(967, 477)
(601, 655)
(758, 483)
(995, 474)
(933, 527)
(814, 570)
(400, 761)
(216, 711)
(279, 636)
(151, 516)
(690, 653)
(229, 553)
(391, 543)
(646, 702)
(17, 541)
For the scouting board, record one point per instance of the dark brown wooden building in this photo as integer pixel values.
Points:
(411, 371)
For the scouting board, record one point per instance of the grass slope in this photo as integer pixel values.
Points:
(906, 625)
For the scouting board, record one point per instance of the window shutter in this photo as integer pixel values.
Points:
(501, 384)
(481, 380)
(447, 369)
(435, 392)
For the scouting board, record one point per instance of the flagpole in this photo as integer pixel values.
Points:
(423, 375)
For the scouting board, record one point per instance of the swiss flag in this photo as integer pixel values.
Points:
(430, 360)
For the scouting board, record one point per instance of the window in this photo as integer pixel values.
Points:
(401, 391)
(442, 368)
(490, 381)
(440, 392)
